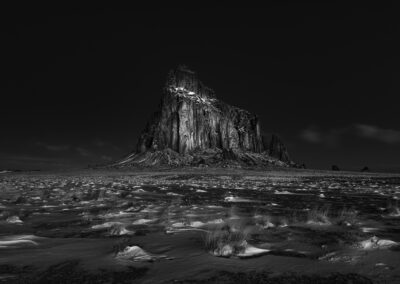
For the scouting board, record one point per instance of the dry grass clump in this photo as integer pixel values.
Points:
(323, 216)
(165, 214)
(393, 209)
(230, 237)
(319, 216)
(264, 221)
(347, 217)
(283, 222)
(226, 240)
(295, 218)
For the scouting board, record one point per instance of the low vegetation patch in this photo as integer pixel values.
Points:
(319, 216)
(323, 216)
(226, 240)
(347, 217)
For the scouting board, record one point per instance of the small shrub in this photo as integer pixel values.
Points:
(393, 209)
(283, 222)
(347, 217)
(319, 216)
(222, 237)
(294, 218)
(265, 221)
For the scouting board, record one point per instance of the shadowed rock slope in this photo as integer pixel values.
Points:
(192, 127)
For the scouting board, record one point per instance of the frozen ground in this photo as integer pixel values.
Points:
(208, 226)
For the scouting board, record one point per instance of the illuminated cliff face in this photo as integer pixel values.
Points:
(192, 118)
(192, 127)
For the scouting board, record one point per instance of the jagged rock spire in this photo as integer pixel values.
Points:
(190, 119)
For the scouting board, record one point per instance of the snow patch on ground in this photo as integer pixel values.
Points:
(251, 251)
(283, 192)
(236, 199)
(377, 243)
(18, 240)
(174, 194)
(136, 254)
(369, 230)
(14, 220)
(106, 225)
(216, 221)
(143, 221)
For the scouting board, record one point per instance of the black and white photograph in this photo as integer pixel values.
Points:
(194, 144)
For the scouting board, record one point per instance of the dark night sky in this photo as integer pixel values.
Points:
(77, 87)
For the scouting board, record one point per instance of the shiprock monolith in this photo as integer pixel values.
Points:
(192, 127)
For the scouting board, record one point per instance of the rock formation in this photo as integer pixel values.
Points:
(193, 127)
(365, 169)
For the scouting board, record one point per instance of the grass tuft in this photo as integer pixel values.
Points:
(319, 216)
(347, 217)
(393, 209)
(225, 240)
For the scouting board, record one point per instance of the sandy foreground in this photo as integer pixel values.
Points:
(199, 226)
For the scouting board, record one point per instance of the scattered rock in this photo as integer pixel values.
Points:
(365, 169)
(14, 220)
(19, 200)
(225, 251)
(135, 253)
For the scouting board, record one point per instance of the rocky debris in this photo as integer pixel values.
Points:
(225, 251)
(300, 166)
(365, 169)
(14, 220)
(19, 200)
(335, 168)
(209, 157)
(193, 128)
